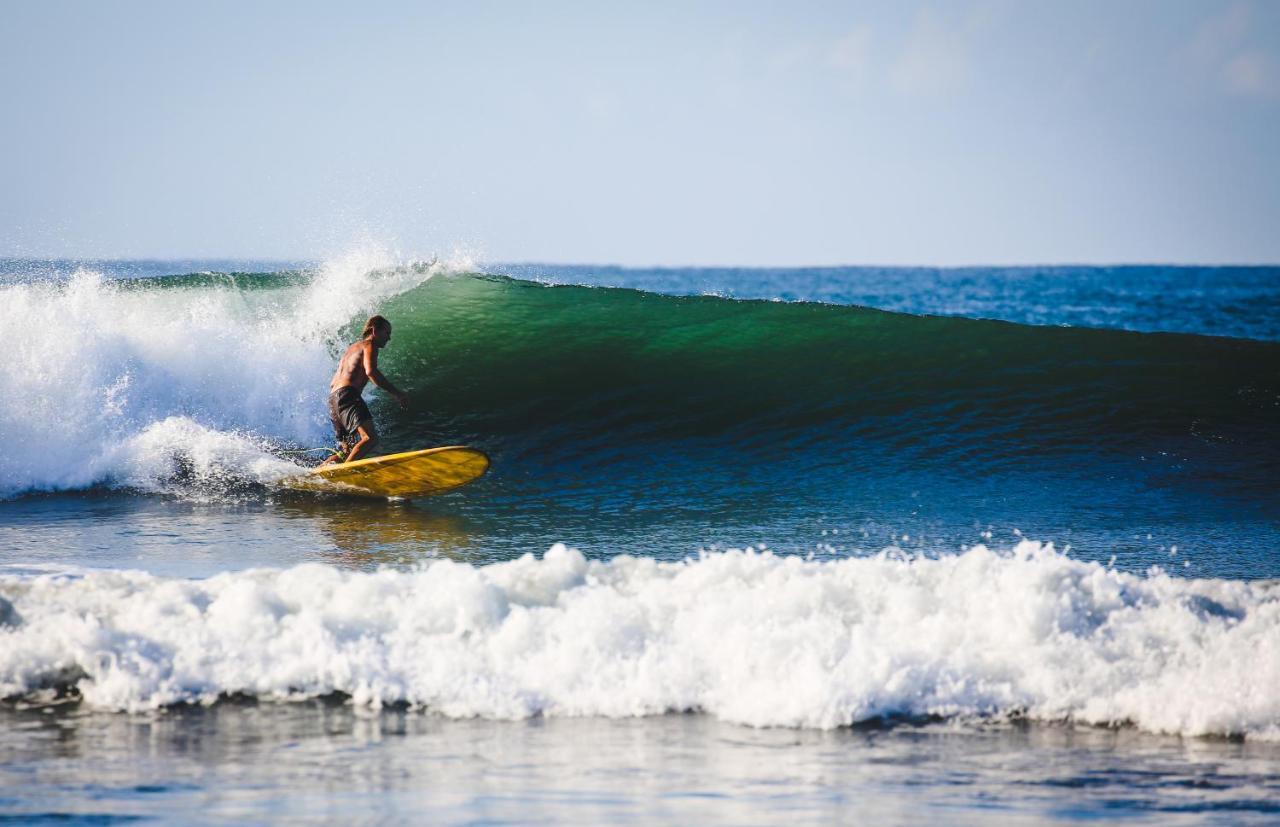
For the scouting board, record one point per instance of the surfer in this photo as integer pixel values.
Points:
(352, 422)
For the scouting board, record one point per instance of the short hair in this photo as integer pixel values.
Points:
(375, 323)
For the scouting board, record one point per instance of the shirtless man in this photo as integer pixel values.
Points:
(351, 419)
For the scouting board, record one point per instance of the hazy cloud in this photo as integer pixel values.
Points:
(1253, 74)
(1222, 32)
(851, 54)
(1226, 47)
(936, 58)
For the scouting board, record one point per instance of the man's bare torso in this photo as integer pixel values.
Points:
(351, 367)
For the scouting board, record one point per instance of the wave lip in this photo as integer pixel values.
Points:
(746, 636)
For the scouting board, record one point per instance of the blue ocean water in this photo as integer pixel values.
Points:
(852, 518)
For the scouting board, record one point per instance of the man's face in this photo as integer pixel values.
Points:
(381, 336)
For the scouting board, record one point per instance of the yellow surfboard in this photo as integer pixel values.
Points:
(410, 474)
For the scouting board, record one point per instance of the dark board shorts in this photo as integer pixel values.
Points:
(348, 412)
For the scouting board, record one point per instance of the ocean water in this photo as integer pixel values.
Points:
(986, 544)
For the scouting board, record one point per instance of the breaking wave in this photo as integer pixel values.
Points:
(745, 636)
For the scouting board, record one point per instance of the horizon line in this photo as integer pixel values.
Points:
(301, 261)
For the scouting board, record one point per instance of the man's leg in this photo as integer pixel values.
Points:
(339, 433)
(368, 439)
(339, 456)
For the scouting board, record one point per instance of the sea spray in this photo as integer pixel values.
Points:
(104, 374)
(744, 636)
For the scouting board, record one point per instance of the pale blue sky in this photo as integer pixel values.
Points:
(686, 133)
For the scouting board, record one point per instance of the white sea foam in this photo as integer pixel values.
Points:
(108, 384)
(746, 636)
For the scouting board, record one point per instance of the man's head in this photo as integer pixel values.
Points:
(378, 329)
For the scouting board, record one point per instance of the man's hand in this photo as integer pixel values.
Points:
(403, 399)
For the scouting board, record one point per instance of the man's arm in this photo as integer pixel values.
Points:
(376, 377)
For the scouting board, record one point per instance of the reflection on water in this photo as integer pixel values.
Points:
(174, 537)
(180, 538)
(367, 533)
(326, 760)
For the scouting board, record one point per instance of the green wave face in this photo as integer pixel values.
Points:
(522, 361)
(630, 394)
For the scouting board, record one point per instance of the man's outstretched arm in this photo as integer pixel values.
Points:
(377, 378)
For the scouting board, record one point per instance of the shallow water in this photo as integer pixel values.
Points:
(179, 537)
(325, 761)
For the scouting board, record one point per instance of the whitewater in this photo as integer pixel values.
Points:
(124, 376)
(746, 636)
